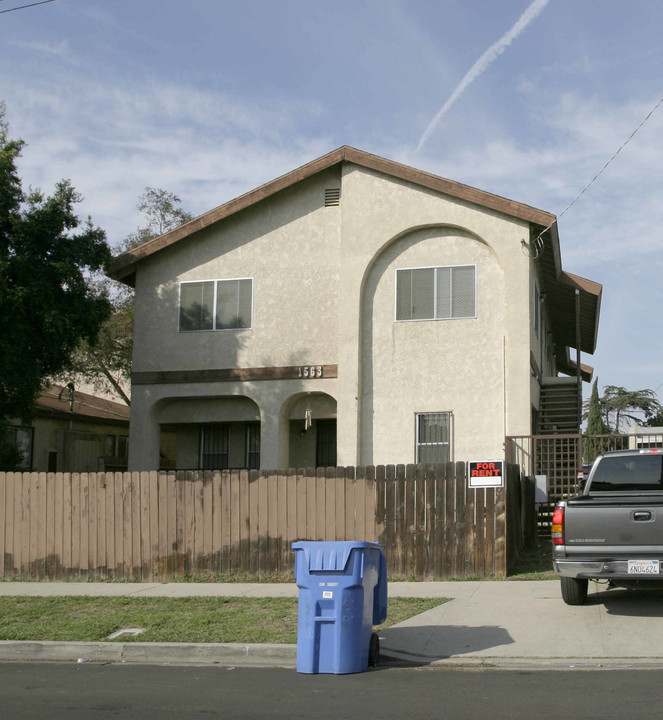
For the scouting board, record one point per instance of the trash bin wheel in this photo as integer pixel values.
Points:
(374, 650)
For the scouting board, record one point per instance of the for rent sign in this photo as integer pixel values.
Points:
(485, 473)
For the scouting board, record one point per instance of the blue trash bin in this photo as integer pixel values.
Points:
(342, 594)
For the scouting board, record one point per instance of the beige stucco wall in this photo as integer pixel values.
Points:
(438, 365)
(289, 245)
(378, 213)
(324, 283)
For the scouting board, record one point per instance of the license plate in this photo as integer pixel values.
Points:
(643, 567)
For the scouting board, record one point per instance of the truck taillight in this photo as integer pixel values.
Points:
(557, 530)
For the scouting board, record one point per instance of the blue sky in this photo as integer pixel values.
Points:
(211, 98)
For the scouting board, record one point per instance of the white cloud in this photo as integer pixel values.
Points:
(617, 216)
(112, 140)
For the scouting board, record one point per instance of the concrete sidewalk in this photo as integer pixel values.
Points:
(505, 624)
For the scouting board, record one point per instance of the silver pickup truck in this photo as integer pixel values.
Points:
(613, 530)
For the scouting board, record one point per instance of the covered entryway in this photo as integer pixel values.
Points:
(209, 433)
(309, 428)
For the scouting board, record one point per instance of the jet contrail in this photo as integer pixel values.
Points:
(493, 52)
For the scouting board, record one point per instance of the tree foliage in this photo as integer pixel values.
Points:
(47, 304)
(162, 213)
(655, 420)
(619, 407)
(107, 363)
(595, 426)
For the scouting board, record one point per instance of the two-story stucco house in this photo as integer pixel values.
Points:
(355, 311)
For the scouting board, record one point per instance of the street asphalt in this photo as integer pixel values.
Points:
(500, 624)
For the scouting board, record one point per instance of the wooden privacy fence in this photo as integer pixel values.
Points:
(153, 526)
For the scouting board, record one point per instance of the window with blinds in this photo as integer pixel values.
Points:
(436, 293)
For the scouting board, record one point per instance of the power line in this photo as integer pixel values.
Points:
(538, 242)
(22, 7)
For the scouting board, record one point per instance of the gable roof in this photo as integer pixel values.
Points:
(124, 266)
(558, 285)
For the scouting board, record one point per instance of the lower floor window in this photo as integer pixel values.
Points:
(230, 445)
(20, 440)
(433, 437)
(215, 440)
(253, 446)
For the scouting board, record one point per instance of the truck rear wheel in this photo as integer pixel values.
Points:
(574, 590)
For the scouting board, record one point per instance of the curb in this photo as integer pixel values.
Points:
(223, 654)
(232, 655)
(477, 662)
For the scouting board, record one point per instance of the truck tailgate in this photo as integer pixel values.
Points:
(614, 524)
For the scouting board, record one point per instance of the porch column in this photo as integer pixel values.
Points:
(269, 442)
(144, 433)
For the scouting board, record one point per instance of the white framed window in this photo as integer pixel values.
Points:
(436, 293)
(434, 437)
(216, 305)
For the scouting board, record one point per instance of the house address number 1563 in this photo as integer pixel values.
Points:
(310, 371)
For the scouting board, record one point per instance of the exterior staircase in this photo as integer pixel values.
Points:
(557, 458)
(558, 407)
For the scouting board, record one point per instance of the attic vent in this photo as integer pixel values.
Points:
(332, 197)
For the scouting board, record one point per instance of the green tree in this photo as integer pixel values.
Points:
(162, 213)
(107, 363)
(595, 426)
(619, 405)
(655, 421)
(47, 304)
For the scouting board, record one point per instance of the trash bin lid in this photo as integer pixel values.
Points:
(326, 556)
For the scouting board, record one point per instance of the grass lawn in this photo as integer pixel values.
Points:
(187, 620)
(534, 564)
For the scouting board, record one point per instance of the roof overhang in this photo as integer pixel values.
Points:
(558, 287)
(56, 401)
(123, 267)
(568, 297)
(570, 367)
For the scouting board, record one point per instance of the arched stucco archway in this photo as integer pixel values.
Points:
(430, 365)
(307, 435)
(208, 432)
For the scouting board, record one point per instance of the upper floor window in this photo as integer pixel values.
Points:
(436, 293)
(216, 304)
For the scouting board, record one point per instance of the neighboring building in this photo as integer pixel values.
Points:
(354, 311)
(643, 436)
(74, 432)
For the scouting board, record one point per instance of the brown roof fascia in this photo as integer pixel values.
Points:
(55, 399)
(570, 367)
(581, 283)
(124, 265)
(588, 288)
(448, 187)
